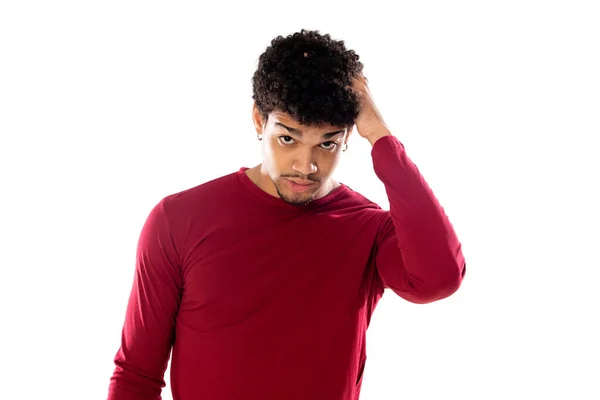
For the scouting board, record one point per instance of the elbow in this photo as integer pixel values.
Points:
(437, 287)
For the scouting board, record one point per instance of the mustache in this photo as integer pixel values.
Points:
(302, 177)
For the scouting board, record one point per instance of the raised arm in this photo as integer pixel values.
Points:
(419, 255)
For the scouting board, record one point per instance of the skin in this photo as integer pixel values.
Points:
(299, 160)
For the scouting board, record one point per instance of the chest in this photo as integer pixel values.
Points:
(303, 270)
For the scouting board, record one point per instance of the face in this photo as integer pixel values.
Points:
(298, 160)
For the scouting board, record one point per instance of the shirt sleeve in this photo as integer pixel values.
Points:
(148, 331)
(419, 256)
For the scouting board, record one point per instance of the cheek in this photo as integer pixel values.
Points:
(268, 152)
(328, 162)
(273, 158)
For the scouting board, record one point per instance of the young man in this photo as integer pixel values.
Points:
(263, 282)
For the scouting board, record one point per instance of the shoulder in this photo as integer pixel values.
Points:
(356, 199)
(358, 207)
(380, 217)
(200, 197)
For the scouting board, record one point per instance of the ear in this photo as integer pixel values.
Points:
(257, 119)
(349, 132)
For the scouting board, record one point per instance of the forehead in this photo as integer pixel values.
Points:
(286, 119)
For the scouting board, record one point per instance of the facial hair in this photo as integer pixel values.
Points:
(290, 200)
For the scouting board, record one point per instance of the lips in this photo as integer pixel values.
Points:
(303, 183)
(299, 186)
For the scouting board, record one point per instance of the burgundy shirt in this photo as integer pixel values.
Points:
(260, 299)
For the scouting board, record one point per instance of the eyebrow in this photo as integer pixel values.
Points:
(298, 132)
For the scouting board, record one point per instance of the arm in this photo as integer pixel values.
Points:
(148, 330)
(419, 255)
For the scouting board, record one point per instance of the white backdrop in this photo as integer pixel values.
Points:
(106, 107)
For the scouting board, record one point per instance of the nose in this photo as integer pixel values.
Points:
(305, 163)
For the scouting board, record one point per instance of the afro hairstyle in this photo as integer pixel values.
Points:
(308, 76)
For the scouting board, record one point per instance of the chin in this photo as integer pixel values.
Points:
(297, 199)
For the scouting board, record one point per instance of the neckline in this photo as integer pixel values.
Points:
(276, 201)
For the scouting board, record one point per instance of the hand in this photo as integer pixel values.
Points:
(369, 123)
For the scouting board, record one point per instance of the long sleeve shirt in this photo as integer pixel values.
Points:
(253, 298)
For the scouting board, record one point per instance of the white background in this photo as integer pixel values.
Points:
(106, 107)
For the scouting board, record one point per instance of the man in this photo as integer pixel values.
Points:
(263, 282)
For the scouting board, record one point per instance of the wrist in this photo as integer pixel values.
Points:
(375, 136)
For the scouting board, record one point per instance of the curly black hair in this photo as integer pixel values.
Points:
(308, 76)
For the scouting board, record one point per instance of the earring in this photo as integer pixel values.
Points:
(345, 146)
(259, 136)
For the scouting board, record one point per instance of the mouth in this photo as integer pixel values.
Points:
(300, 186)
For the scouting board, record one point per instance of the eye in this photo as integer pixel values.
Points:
(329, 145)
(286, 139)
